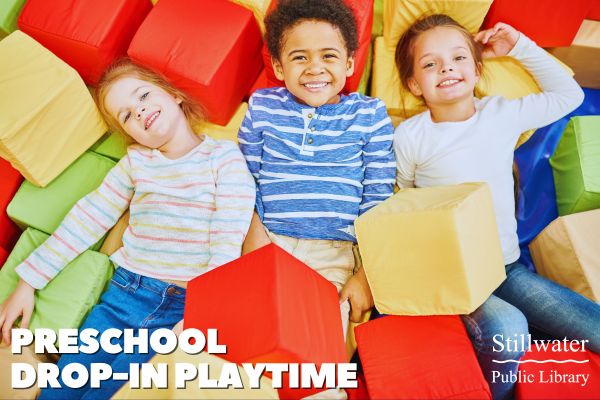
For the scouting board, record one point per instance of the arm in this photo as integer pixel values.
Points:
(257, 236)
(234, 202)
(378, 158)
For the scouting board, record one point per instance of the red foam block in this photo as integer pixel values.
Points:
(268, 307)
(550, 379)
(361, 392)
(3, 256)
(594, 11)
(87, 34)
(10, 181)
(208, 48)
(428, 357)
(550, 23)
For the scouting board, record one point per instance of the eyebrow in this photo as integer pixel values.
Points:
(454, 48)
(323, 49)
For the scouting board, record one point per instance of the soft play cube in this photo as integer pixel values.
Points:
(583, 55)
(9, 12)
(210, 49)
(229, 131)
(549, 372)
(419, 358)
(269, 307)
(576, 166)
(87, 34)
(197, 388)
(363, 14)
(594, 13)
(68, 298)
(3, 256)
(259, 9)
(568, 252)
(549, 23)
(45, 208)
(398, 15)
(431, 251)
(48, 115)
(112, 145)
(10, 180)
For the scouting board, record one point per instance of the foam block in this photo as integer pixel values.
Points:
(45, 208)
(546, 378)
(3, 256)
(209, 49)
(419, 358)
(259, 9)
(432, 250)
(48, 116)
(112, 145)
(10, 180)
(28, 356)
(398, 15)
(568, 252)
(192, 390)
(230, 131)
(284, 311)
(69, 297)
(9, 12)
(576, 166)
(87, 34)
(549, 23)
(584, 54)
(594, 13)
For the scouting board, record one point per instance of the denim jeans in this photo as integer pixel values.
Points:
(523, 299)
(132, 301)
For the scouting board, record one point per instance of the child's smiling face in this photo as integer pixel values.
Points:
(445, 71)
(314, 62)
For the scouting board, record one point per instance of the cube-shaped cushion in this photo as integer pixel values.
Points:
(112, 145)
(3, 256)
(68, 298)
(568, 252)
(9, 12)
(360, 392)
(87, 34)
(549, 23)
(363, 14)
(261, 82)
(552, 373)
(432, 250)
(10, 180)
(28, 356)
(192, 390)
(420, 358)
(230, 131)
(259, 9)
(576, 166)
(48, 115)
(594, 13)
(45, 208)
(398, 15)
(284, 311)
(583, 55)
(210, 49)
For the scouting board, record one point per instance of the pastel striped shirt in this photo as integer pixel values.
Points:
(187, 215)
(317, 169)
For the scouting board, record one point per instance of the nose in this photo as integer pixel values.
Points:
(447, 67)
(315, 67)
(139, 111)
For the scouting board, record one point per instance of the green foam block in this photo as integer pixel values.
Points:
(111, 145)
(69, 297)
(576, 166)
(9, 13)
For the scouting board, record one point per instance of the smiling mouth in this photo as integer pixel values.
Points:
(315, 85)
(150, 119)
(449, 83)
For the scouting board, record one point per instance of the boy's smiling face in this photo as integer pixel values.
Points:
(314, 62)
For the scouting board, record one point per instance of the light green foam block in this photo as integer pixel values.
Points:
(9, 13)
(111, 145)
(576, 166)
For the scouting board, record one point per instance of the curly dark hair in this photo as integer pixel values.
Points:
(291, 12)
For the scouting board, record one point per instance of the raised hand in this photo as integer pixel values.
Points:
(497, 41)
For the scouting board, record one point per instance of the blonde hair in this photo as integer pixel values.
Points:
(127, 68)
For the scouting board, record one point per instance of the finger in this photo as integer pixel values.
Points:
(355, 314)
(25, 319)
(478, 36)
(344, 296)
(8, 323)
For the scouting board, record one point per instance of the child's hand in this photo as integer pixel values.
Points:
(497, 41)
(19, 303)
(358, 292)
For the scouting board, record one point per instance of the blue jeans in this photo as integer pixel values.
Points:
(131, 301)
(523, 299)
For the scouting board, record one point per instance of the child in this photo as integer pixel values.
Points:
(320, 158)
(464, 139)
(184, 218)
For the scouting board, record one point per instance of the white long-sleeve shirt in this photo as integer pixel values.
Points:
(481, 149)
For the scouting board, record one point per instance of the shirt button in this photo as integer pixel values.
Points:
(309, 141)
(309, 116)
(312, 128)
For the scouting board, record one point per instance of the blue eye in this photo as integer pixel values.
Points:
(142, 97)
(460, 58)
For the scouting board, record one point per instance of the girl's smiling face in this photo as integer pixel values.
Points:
(314, 62)
(444, 69)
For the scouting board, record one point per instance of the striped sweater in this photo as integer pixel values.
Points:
(317, 169)
(187, 215)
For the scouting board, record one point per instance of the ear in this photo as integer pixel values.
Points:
(178, 100)
(414, 88)
(350, 67)
(277, 68)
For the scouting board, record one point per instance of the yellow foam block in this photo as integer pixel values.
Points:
(230, 131)
(432, 251)
(48, 116)
(191, 391)
(398, 15)
(583, 55)
(114, 239)
(568, 252)
(259, 9)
